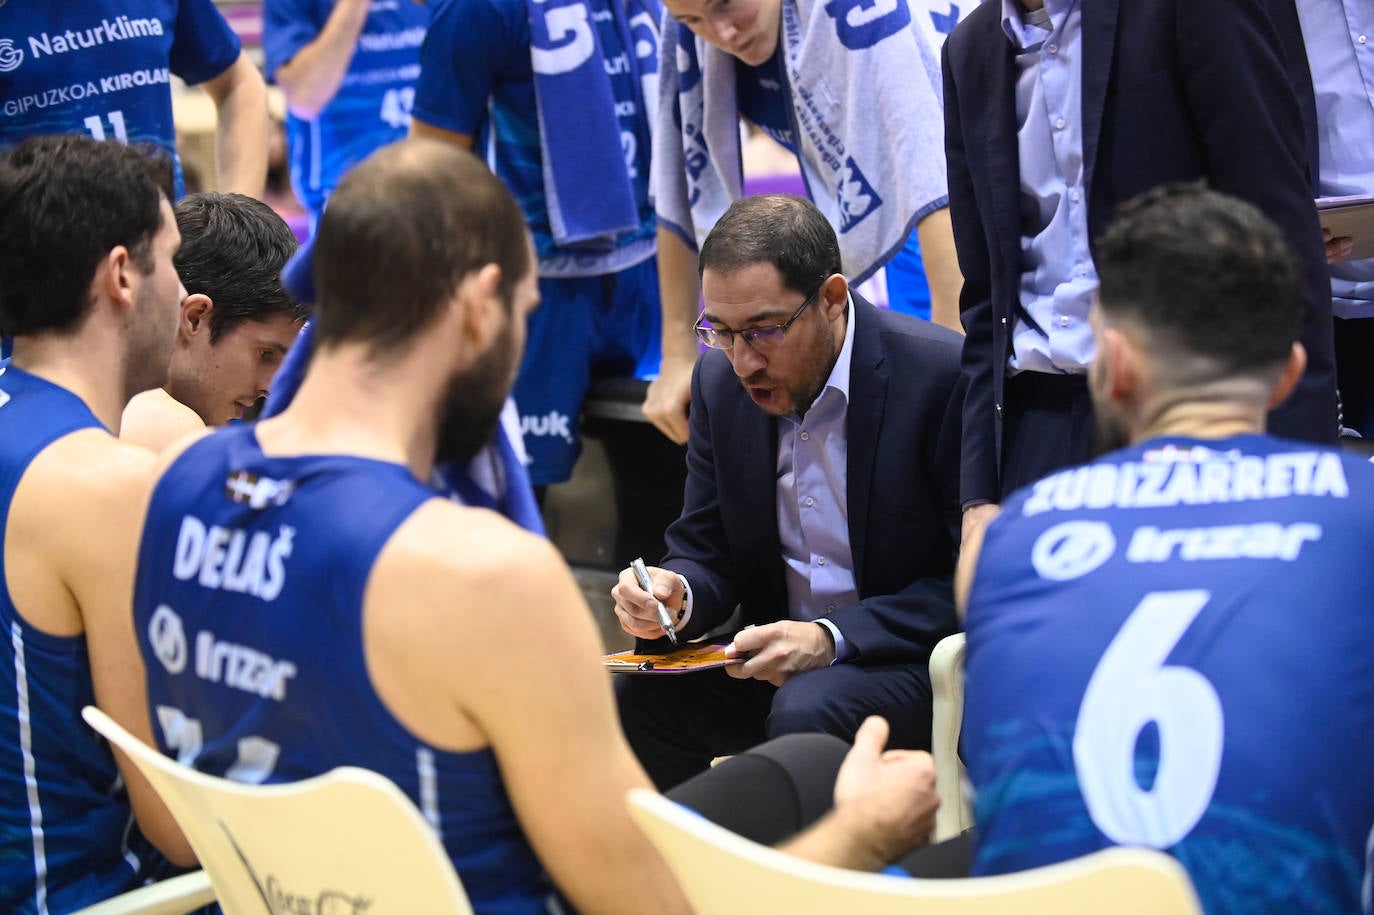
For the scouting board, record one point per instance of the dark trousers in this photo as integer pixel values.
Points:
(1049, 426)
(676, 724)
(1355, 373)
(776, 790)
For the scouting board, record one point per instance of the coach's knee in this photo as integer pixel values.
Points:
(814, 702)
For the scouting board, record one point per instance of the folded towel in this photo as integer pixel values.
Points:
(866, 91)
(587, 182)
(495, 477)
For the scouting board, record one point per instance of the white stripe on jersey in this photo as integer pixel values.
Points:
(429, 788)
(40, 860)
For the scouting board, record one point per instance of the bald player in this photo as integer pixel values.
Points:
(89, 292)
(236, 323)
(380, 619)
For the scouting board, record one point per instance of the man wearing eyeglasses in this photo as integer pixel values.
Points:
(821, 497)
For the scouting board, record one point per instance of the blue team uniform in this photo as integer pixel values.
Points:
(372, 106)
(600, 310)
(101, 67)
(1170, 647)
(67, 836)
(248, 610)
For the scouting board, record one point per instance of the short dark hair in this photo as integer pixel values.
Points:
(233, 249)
(65, 202)
(779, 229)
(401, 231)
(1203, 274)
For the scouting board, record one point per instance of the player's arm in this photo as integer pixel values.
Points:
(510, 642)
(311, 77)
(679, 292)
(240, 98)
(419, 128)
(155, 420)
(936, 235)
(103, 508)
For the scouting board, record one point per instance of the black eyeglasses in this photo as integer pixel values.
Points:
(760, 338)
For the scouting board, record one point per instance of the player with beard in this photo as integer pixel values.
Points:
(381, 618)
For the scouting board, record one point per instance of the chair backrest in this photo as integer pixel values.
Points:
(341, 843)
(947, 718)
(725, 874)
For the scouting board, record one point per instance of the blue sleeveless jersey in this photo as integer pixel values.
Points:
(101, 67)
(248, 610)
(67, 837)
(372, 106)
(1173, 647)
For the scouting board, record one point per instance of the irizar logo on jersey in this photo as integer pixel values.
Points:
(241, 667)
(121, 29)
(229, 559)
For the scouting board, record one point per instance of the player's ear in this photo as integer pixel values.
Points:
(1121, 363)
(1292, 373)
(479, 296)
(114, 276)
(195, 314)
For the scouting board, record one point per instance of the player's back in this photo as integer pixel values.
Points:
(248, 609)
(66, 830)
(1171, 647)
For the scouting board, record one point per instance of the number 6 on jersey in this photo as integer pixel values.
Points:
(1130, 687)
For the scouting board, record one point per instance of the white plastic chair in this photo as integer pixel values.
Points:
(173, 896)
(725, 874)
(947, 718)
(347, 840)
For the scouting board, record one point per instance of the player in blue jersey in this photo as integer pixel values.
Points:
(89, 292)
(1170, 646)
(304, 600)
(237, 321)
(102, 67)
(559, 97)
(348, 71)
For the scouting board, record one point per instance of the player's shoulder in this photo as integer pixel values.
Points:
(155, 420)
(446, 545)
(451, 18)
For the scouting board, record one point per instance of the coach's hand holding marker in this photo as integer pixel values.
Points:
(664, 618)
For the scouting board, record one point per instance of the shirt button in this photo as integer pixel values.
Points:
(1064, 321)
(1053, 49)
(1362, 39)
(1074, 195)
(810, 501)
(821, 561)
(1060, 124)
(806, 436)
(829, 608)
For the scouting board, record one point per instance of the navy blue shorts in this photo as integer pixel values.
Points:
(584, 328)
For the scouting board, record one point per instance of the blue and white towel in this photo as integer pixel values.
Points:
(867, 105)
(495, 478)
(587, 183)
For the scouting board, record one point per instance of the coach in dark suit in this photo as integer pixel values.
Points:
(821, 497)
(1057, 111)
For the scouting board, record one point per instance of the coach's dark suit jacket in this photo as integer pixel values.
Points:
(905, 397)
(1173, 90)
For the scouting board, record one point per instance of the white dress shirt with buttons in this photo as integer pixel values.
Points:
(1057, 273)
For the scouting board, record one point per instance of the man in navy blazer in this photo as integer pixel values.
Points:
(821, 497)
(1058, 110)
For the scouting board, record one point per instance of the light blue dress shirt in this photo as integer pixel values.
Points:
(813, 511)
(1340, 49)
(1057, 273)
